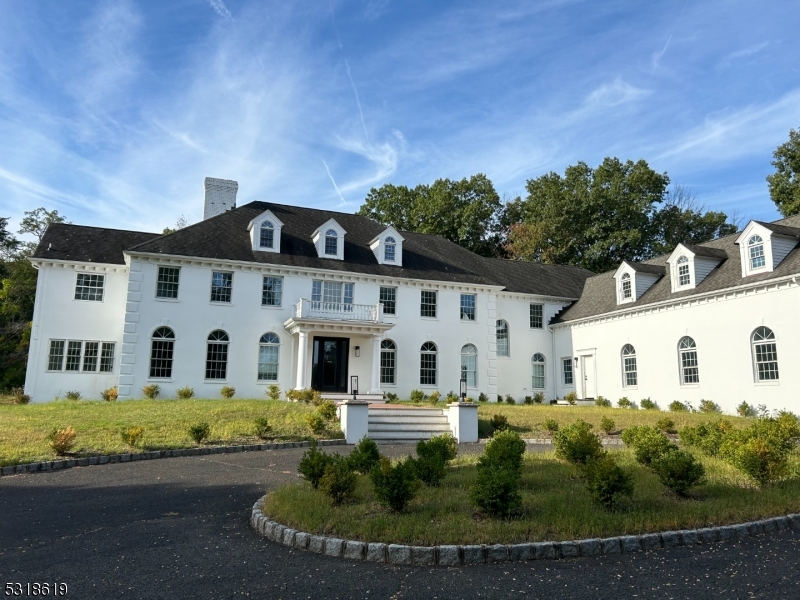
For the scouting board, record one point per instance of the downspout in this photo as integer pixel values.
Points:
(555, 362)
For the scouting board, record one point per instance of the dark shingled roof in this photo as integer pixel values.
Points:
(88, 244)
(781, 229)
(600, 296)
(641, 267)
(225, 237)
(706, 251)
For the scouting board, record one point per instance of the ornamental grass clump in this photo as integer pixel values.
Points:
(571, 398)
(433, 455)
(262, 428)
(185, 392)
(62, 440)
(19, 396)
(199, 432)
(227, 391)
(434, 397)
(576, 443)
(273, 392)
(313, 464)
(151, 391)
(365, 456)
(496, 489)
(110, 395)
(395, 484)
(131, 436)
(417, 396)
(73, 395)
(538, 398)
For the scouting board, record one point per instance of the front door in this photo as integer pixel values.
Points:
(588, 376)
(329, 369)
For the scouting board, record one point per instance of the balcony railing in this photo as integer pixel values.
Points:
(338, 311)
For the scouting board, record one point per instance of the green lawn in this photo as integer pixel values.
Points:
(556, 506)
(24, 428)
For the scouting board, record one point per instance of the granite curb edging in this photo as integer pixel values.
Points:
(456, 555)
(67, 463)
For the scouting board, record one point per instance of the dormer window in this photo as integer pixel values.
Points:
(755, 247)
(388, 249)
(331, 242)
(267, 234)
(684, 277)
(627, 292)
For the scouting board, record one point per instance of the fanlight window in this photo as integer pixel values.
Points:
(629, 372)
(162, 349)
(388, 249)
(502, 338)
(687, 350)
(269, 349)
(331, 242)
(388, 362)
(217, 355)
(469, 365)
(627, 292)
(755, 247)
(267, 235)
(537, 371)
(684, 278)
(427, 364)
(765, 354)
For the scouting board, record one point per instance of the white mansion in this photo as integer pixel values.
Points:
(267, 294)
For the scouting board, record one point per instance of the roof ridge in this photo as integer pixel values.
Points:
(105, 228)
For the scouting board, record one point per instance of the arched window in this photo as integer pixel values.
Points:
(755, 246)
(627, 292)
(684, 278)
(765, 354)
(331, 242)
(629, 375)
(267, 234)
(217, 355)
(388, 362)
(269, 352)
(427, 364)
(687, 350)
(162, 348)
(388, 249)
(537, 371)
(501, 332)
(469, 365)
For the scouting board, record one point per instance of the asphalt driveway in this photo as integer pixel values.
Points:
(178, 528)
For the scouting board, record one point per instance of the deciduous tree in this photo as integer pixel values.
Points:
(784, 183)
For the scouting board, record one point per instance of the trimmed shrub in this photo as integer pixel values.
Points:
(607, 425)
(510, 399)
(528, 400)
(606, 482)
(316, 422)
(709, 406)
(151, 391)
(666, 425)
(576, 443)
(227, 391)
(338, 482)
(365, 456)
(199, 431)
(273, 392)
(110, 395)
(761, 459)
(391, 397)
(551, 425)
(306, 395)
(327, 409)
(73, 395)
(483, 397)
(706, 437)
(395, 484)
(496, 491)
(453, 397)
(185, 392)
(313, 464)
(602, 402)
(434, 397)
(676, 406)
(538, 398)
(624, 403)
(262, 428)
(131, 436)
(648, 404)
(417, 396)
(20, 397)
(745, 410)
(62, 440)
(498, 423)
(678, 470)
(570, 398)
(504, 451)
(648, 443)
(433, 456)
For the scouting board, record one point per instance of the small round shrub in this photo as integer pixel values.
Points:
(19, 396)
(227, 391)
(273, 392)
(185, 392)
(131, 436)
(338, 482)
(648, 443)
(607, 425)
(677, 406)
(510, 399)
(199, 432)
(761, 459)
(666, 425)
(262, 428)
(498, 423)
(365, 456)
(678, 470)
(707, 437)
(745, 410)
(648, 404)
(624, 403)
(313, 464)
(62, 440)
(452, 397)
(528, 400)
(709, 406)
(496, 491)
(417, 396)
(538, 398)
(602, 402)
(606, 482)
(571, 398)
(395, 484)
(316, 422)
(433, 456)
(483, 397)
(73, 395)
(151, 391)
(503, 451)
(551, 425)
(327, 409)
(110, 395)
(576, 443)
(434, 397)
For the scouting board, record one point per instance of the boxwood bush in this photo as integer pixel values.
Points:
(576, 443)
(395, 484)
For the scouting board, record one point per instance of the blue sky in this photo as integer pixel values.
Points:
(114, 112)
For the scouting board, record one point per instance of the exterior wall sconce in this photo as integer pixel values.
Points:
(354, 385)
(358, 351)
(463, 389)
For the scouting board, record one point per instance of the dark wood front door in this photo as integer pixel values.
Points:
(329, 368)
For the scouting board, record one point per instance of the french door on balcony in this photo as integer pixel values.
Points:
(329, 367)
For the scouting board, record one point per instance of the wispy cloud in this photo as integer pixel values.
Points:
(743, 53)
(221, 9)
(336, 187)
(615, 93)
(358, 100)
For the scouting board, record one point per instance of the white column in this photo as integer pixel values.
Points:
(302, 351)
(375, 387)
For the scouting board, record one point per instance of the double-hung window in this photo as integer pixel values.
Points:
(269, 347)
(162, 349)
(267, 235)
(501, 334)
(755, 246)
(467, 307)
(271, 291)
(537, 371)
(388, 362)
(89, 287)
(331, 242)
(221, 286)
(469, 365)
(684, 277)
(427, 305)
(427, 364)
(332, 296)
(537, 316)
(630, 375)
(217, 355)
(687, 351)
(388, 297)
(566, 370)
(167, 283)
(765, 354)
(389, 249)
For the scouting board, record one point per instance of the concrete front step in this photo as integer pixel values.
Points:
(404, 435)
(409, 419)
(406, 412)
(408, 427)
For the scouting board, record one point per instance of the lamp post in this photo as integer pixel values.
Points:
(463, 393)
(354, 385)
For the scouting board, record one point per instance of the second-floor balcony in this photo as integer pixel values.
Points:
(338, 311)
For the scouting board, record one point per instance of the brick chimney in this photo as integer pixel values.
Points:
(220, 196)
